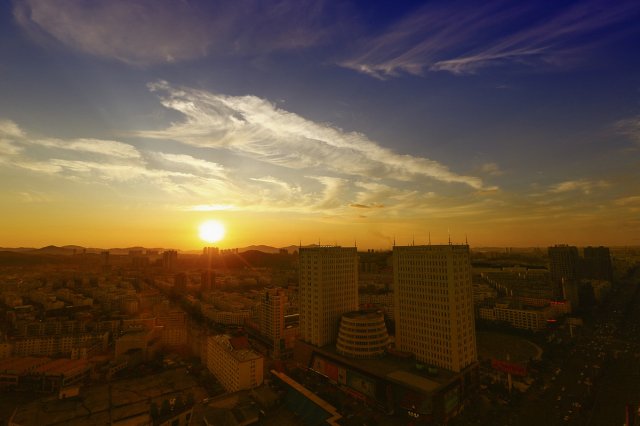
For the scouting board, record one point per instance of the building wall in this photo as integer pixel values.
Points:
(564, 264)
(434, 304)
(58, 345)
(272, 309)
(6, 349)
(518, 318)
(328, 288)
(235, 369)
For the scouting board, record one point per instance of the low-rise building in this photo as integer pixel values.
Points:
(529, 318)
(233, 363)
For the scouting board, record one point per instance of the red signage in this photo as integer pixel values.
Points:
(509, 367)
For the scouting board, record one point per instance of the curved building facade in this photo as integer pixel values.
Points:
(362, 334)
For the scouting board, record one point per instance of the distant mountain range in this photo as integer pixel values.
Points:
(70, 250)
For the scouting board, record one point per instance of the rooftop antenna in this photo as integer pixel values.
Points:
(449, 232)
(429, 237)
(394, 240)
(413, 240)
(466, 240)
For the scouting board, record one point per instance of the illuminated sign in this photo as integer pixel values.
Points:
(508, 367)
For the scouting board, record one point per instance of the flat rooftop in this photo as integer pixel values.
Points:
(106, 404)
(21, 365)
(392, 368)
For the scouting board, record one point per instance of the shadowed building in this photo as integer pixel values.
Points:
(433, 302)
(597, 263)
(564, 264)
(328, 288)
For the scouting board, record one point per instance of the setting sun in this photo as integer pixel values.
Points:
(211, 231)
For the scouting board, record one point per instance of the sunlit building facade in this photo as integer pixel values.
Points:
(433, 300)
(328, 288)
(272, 310)
(233, 363)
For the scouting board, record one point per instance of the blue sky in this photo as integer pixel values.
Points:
(515, 123)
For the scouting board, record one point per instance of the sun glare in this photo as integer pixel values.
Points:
(211, 231)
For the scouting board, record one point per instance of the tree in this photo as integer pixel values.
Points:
(154, 411)
(165, 408)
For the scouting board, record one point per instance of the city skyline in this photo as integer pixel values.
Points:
(133, 122)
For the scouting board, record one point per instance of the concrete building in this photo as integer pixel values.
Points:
(174, 333)
(564, 264)
(328, 288)
(531, 318)
(238, 317)
(362, 334)
(138, 344)
(597, 263)
(6, 349)
(60, 345)
(42, 374)
(169, 259)
(272, 309)
(434, 305)
(231, 361)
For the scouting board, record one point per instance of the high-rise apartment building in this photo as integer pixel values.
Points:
(169, 259)
(433, 301)
(328, 288)
(564, 265)
(272, 307)
(597, 263)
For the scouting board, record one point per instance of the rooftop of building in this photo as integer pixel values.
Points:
(242, 353)
(332, 413)
(365, 314)
(433, 247)
(396, 369)
(106, 404)
(327, 248)
(21, 365)
(62, 366)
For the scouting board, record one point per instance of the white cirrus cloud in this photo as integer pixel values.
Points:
(491, 169)
(94, 146)
(14, 136)
(631, 201)
(256, 128)
(144, 32)
(250, 156)
(190, 162)
(629, 127)
(470, 36)
(9, 129)
(585, 186)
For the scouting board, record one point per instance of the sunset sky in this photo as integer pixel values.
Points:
(131, 122)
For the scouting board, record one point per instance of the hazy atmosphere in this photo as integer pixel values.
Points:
(131, 122)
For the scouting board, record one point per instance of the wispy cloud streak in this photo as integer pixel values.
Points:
(144, 32)
(583, 185)
(462, 39)
(256, 128)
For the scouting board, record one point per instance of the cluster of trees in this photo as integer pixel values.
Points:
(171, 406)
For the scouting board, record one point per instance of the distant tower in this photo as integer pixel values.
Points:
(208, 276)
(105, 260)
(272, 309)
(169, 259)
(433, 303)
(564, 265)
(597, 263)
(328, 288)
(180, 282)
